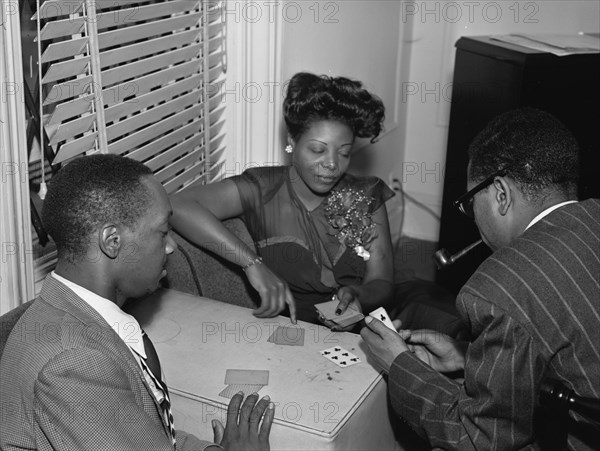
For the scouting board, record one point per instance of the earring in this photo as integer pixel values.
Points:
(288, 148)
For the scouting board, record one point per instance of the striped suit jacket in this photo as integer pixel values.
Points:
(534, 310)
(69, 382)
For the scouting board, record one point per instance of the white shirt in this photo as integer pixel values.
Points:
(549, 210)
(125, 325)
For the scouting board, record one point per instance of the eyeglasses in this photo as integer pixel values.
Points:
(465, 202)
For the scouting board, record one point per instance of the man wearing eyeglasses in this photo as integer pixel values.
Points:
(533, 307)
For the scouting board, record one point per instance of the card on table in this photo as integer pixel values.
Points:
(247, 381)
(383, 316)
(253, 377)
(340, 356)
(287, 335)
(231, 390)
(350, 316)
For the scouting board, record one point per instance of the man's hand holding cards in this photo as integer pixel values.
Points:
(384, 342)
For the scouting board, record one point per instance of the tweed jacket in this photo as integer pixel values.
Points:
(69, 382)
(534, 310)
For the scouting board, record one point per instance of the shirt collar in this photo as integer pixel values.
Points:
(125, 325)
(549, 210)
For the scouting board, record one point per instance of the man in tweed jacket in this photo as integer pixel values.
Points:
(533, 307)
(74, 372)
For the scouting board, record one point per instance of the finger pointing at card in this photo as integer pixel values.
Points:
(383, 343)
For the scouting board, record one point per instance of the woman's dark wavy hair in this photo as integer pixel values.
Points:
(312, 98)
(538, 149)
(90, 191)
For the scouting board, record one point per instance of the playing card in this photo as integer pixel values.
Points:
(287, 335)
(350, 316)
(247, 377)
(383, 316)
(340, 356)
(231, 390)
(247, 381)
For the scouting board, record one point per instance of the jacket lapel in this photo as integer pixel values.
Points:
(61, 297)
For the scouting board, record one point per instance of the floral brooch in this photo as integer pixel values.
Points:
(347, 211)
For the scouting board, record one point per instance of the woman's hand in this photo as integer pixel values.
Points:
(274, 293)
(348, 297)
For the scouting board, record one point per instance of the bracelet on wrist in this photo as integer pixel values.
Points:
(254, 261)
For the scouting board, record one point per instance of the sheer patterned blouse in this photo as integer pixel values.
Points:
(297, 244)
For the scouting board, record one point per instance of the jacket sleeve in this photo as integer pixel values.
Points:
(189, 442)
(493, 408)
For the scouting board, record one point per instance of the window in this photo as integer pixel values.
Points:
(130, 77)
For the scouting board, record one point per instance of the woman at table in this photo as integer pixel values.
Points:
(319, 231)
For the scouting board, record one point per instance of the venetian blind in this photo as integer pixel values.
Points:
(136, 78)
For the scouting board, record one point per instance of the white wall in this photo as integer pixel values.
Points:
(357, 39)
(401, 50)
(269, 41)
(360, 40)
(427, 90)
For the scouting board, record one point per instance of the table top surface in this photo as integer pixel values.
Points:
(198, 339)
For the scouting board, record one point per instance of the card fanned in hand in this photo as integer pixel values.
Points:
(287, 335)
(247, 381)
(349, 317)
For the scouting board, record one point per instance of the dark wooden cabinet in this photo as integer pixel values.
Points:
(491, 77)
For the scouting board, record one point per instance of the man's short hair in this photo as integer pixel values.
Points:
(91, 191)
(540, 152)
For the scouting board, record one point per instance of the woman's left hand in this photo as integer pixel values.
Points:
(348, 298)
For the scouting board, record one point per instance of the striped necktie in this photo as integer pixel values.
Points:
(151, 365)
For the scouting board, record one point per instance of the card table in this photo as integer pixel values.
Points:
(319, 406)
